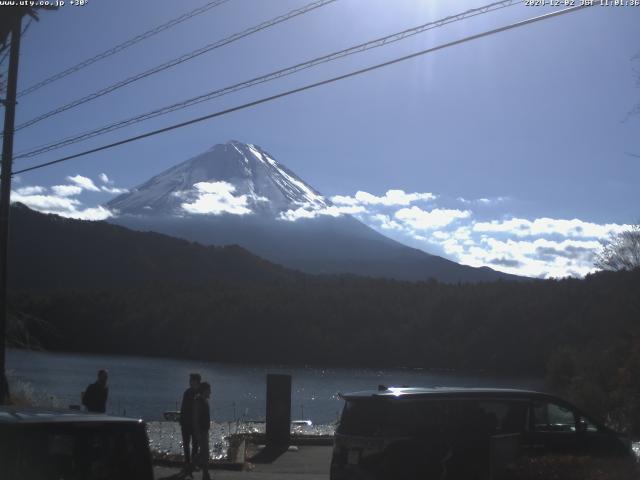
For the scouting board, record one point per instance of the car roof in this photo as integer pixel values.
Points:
(440, 392)
(27, 415)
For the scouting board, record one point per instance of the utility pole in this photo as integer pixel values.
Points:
(5, 189)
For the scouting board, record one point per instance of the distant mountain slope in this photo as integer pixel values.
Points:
(265, 191)
(51, 252)
(322, 245)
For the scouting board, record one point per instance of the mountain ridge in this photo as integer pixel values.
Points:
(236, 193)
(80, 254)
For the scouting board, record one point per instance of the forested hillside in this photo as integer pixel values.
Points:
(509, 327)
(48, 252)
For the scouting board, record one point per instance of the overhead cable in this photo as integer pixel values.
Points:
(308, 87)
(122, 46)
(7, 46)
(379, 42)
(176, 61)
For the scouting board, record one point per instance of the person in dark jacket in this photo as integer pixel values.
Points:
(201, 425)
(95, 396)
(189, 442)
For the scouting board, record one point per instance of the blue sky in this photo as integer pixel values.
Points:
(521, 139)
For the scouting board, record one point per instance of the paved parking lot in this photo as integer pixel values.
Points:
(305, 463)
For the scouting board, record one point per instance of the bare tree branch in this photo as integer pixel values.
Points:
(622, 252)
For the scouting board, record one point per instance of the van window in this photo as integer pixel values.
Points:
(551, 417)
(491, 417)
(361, 417)
(505, 416)
(411, 416)
(588, 425)
(393, 417)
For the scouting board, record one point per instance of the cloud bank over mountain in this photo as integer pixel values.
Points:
(62, 199)
(540, 247)
(243, 181)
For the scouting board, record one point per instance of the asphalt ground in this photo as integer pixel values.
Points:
(301, 463)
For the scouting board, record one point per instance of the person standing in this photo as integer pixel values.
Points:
(189, 441)
(95, 396)
(201, 425)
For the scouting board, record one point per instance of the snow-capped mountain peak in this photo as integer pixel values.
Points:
(234, 178)
(238, 194)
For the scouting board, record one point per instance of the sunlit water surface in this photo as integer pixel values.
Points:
(148, 387)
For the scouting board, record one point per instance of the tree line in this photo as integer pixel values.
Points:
(583, 334)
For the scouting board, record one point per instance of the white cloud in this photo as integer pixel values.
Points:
(182, 194)
(34, 190)
(386, 222)
(296, 214)
(216, 198)
(114, 190)
(61, 205)
(84, 183)
(66, 190)
(46, 203)
(257, 198)
(310, 210)
(539, 248)
(344, 200)
(536, 258)
(336, 211)
(441, 236)
(96, 213)
(392, 197)
(483, 201)
(550, 226)
(420, 219)
(61, 201)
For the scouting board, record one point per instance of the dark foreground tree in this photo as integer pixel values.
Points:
(622, 252)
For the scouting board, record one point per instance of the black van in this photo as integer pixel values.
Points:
(38, 444)
(468, 433)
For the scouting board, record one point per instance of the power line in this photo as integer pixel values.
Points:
(176, 61)
(8, 45)
(122, 46)
(4, 57)
(379, 42)
(26, 27)
(310, 86)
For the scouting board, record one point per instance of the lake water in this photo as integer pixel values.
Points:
(147, 387)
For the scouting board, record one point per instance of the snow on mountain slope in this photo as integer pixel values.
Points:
(234, 178)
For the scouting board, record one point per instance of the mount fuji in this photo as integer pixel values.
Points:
(236, 193)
